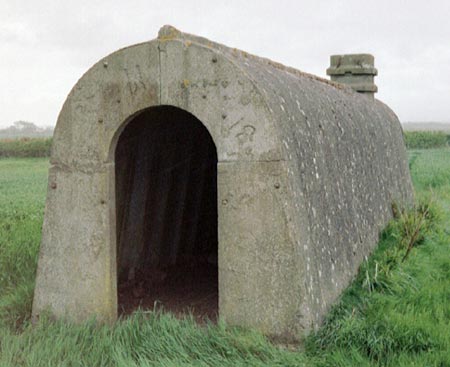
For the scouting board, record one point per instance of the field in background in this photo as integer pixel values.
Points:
(426, 139)
(396, 313)
(25, 147)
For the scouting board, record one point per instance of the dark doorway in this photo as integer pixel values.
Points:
(166, 208)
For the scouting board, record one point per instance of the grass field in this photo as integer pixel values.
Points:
(396, 313)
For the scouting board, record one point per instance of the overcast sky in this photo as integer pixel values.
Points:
(46, 45)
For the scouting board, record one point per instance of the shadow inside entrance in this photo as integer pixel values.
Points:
(166, 209)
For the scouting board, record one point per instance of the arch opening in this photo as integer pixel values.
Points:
(166, 214)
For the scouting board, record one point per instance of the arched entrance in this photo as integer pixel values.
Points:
(166, 210)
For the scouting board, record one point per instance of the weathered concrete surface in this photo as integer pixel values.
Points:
(307, 172)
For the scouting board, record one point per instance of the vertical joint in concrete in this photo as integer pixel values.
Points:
(355, 70)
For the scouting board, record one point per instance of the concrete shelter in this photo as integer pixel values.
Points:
(181, 151)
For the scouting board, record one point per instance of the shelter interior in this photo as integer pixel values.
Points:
(166, 214)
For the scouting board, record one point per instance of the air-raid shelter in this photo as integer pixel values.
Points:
(181, 159)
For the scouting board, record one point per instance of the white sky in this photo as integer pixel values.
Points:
(46, 45)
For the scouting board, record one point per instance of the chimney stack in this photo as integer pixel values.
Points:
(356, 71)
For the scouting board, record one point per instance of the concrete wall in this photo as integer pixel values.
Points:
(307, 172)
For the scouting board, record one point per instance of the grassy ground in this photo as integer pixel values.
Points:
(396, 313)
(23, 185)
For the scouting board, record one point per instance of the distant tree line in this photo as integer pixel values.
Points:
(25, 139)
(24, 129)
(426, 139)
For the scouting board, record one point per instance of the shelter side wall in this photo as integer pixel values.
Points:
(348, 165)
(76, 276)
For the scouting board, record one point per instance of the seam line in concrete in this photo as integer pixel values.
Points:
(160, 72)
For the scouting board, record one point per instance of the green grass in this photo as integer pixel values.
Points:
(23, 185)
(395, 313)
(430, 170)
(143, 340)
